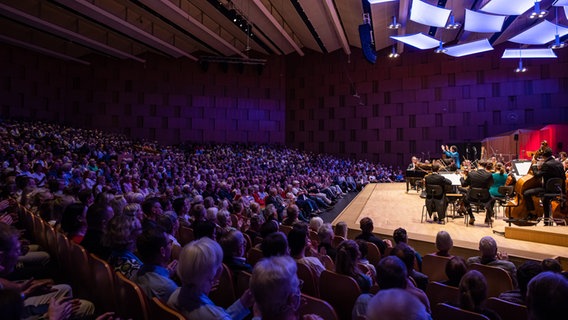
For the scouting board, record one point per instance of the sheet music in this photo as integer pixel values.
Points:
(521, 168)
(453, 177)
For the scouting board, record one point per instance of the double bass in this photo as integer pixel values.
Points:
(516, 208)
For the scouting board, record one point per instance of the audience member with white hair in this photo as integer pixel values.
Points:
(199, 268)
(396, 304)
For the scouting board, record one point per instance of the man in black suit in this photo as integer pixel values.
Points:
(483, 179)
(439, 203)
(549, 169)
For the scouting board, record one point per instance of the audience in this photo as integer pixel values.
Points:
(444, 244)
(396, 304)
(455, 269)
(491, 257)
(121, 237)
(367, 227)
(234, 245)
(525, 273)
(472, 294)
(299, 242)
(346, 264)
(546, 297)
(199, 267)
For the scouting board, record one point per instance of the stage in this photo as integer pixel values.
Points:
(390, 207)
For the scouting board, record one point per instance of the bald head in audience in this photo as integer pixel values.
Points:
(396, 304)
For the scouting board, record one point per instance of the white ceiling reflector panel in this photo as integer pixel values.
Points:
(429, 15)
(508, 7)
(528, 53)
(541, 33)
(380, 1)
(418, 40)
(482, 22)
(560, 3)
(469, 48)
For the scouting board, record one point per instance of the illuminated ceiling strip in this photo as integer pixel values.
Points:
(469, 48)
(528, 53)
(508, 7)
(41, 50)
(541, 33)
(64, 33)
(428, 14)
(418, 40)
(560, 3)
(380, 1)
(482, 22)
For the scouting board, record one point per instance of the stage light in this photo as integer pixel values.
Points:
(393, 53)
(520, 68)
(453, 24)
(394, 24)
(538, 12)
(441, 48)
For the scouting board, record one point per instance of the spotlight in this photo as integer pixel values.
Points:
(393, 53)
(520, 68)
(394, 24)
(453, 24)
(557, 44)
(441, 48)
(538, 12)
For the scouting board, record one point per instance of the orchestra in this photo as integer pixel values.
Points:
(530, 201)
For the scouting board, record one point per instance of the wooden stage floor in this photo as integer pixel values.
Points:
(390, 207)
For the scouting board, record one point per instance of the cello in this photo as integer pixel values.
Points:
(516, 207)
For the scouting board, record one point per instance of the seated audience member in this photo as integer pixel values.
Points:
(546, 297)
(134, 210)
(253, 230)
(275, 244)
(181, 207)
(491, 257)
(152, 208)
(364, 249)
(399, 235)
(391, 273)
(200, 266)
(97, 221)
(234, 246)
(550, 264)
(315, 224)
(74, 222)
(455, 269)
(299, 242)
(525, 273)
(396, 304)
(367, 227)
(346, 264)
(325, 236)
(224, 223)
(341, 229)
(170, 223)
(292, 215)
(276, 289)
(121, 238)
(154, 249)
(472, 294)
(35, 294)
(405, 253)
(444, 244)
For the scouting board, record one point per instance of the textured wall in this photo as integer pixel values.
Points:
(413, 104)
(167, 100)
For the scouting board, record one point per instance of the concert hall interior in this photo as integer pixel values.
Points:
(328, 108)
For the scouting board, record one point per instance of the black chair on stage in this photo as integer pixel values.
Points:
(435, 201)
(554, 190)
(507, 192)
(480, 199)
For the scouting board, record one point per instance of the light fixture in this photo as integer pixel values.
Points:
(520, 68)
(394, 24)
(453, 24)
(441, 48)
(393, 53)
(538, 12)
(557, 44)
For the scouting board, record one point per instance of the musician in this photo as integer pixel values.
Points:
(413, 165)
(452, 152)
(547, 169)
(480, 178)
(499, 178)
(437, 204)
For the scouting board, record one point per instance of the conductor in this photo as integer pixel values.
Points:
(452, 152)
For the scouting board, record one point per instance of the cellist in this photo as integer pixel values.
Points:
(545, 169)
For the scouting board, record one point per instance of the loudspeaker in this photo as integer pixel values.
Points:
(367, 43)
(516, 137)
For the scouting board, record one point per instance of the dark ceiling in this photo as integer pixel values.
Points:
(229, 29)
